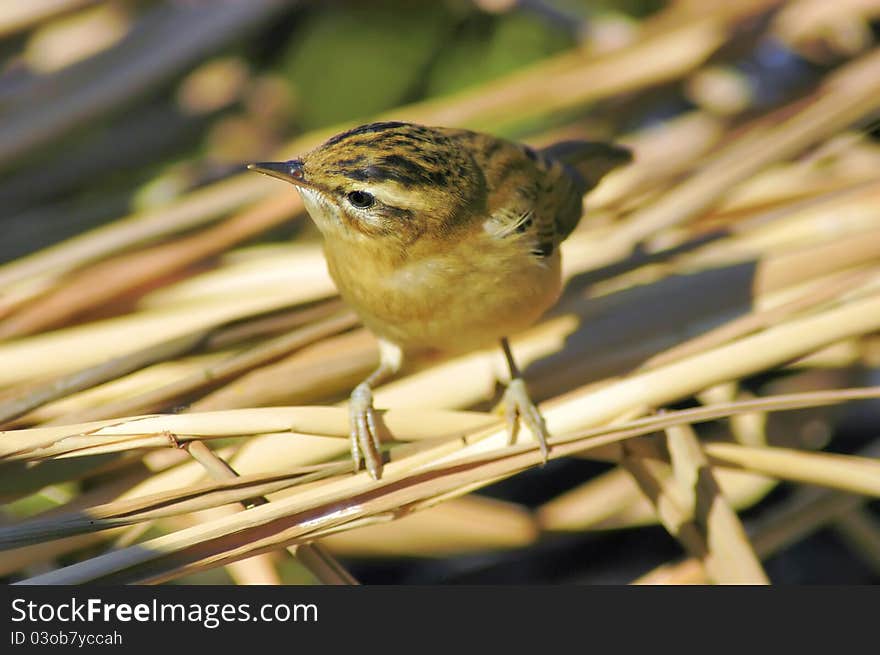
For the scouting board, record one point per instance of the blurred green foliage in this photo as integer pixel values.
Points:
(354, 60)
(489, 47)
(338, 70)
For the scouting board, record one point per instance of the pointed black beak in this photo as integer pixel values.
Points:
(289, 171)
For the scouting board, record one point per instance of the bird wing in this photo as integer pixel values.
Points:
(584, 163)
(535, 195)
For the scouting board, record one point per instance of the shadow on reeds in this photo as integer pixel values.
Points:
(619, 331)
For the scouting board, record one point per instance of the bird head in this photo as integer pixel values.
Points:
(388, 183)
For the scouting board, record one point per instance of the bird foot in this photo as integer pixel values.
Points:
(518, 405)
(364, 432)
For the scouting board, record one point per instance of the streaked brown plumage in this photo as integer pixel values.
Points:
(443, 238)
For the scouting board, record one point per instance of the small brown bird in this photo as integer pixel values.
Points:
(443, 238)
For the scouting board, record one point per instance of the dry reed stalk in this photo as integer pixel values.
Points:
(845, 96)
(168, 382)
(68, 349)
(198, 497)
(786, 269)
(590, 503)
(460, 525)
(736, 224)
(671, 44)
(198, 207)
(274, 324)
(46, 442)
(814, 28)
(20, 16)
(746, 429)
(331, 366)
(44, 552)
(131, 535)
(826, 170)
(303, 511)
(786, 229)
(744, 357)
(779, 464)
(114, 278)
(661, 155)
(248, 271)
(655, 480)
(853, 213)
(612, 501)
(257, 570)
(650, 428)
(215, 373)
(177, 37)
(729, 554)
(260, 568)
(322, 565)
(802, 515)
(855, 474)
(18, 405)
(403, 493)
(805, 512)
(37, 444)
(18, 295)
(147, 379)
(854, 244)
(827, 290)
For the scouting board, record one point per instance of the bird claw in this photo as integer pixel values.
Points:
(364, 433)
(518, 405)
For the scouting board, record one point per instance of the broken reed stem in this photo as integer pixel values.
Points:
(670, 503)
(312, 556)
(217, 468)
(259, 569)
(799, 517)
(730, 557)
(804, 513)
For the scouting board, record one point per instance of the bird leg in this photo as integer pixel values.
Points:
(518, 405)
(364, 432)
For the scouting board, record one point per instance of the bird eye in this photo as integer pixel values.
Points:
(361, 199)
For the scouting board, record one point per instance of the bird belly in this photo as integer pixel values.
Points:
(454, 302)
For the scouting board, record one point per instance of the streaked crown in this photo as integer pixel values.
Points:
(390, 179)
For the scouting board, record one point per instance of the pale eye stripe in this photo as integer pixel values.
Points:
(395, 195)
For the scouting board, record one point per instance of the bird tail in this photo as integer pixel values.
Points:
(591, 160)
